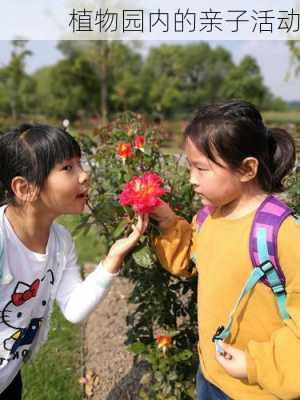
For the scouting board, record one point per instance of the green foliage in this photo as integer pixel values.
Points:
(246, 82)
(169, 378)
(16, 87)
(67, 88)
(189, 74)
(294, 47)
(115, 67)
(101, 78)
(163, 302)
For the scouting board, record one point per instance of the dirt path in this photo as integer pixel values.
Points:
(104, 351)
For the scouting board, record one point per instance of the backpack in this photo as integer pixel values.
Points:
(264, 256)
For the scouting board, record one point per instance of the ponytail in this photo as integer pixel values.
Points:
(282, 157)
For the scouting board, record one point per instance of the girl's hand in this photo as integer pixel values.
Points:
(163, 214)
(233, 361)
(121, 247)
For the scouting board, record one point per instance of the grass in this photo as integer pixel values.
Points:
(87, 246)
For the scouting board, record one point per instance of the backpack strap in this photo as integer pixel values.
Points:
(264, 232)
(264, 255)
(263, 247)
(202, 214)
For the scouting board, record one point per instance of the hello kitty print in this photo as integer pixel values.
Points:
(26, 299)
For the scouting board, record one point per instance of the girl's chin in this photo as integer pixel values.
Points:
(205, 201)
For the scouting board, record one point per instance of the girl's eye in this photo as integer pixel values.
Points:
(68, 167)
(201, 169)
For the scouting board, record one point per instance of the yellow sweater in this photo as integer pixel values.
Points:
(272, 346)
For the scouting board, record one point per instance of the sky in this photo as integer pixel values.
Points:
(272, 56)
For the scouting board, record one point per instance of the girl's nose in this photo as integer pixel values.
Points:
(193, 180)
(83, 177)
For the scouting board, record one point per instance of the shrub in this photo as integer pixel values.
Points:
(165, 305)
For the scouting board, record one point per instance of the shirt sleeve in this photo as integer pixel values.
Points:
(175, 248)
(76, 297)
(275, 364)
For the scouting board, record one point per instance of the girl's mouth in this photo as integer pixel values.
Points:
(82, 195)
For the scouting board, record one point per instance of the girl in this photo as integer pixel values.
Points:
(235, 163)
(41, 178)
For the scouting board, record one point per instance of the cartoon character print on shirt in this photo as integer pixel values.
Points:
(15, 309)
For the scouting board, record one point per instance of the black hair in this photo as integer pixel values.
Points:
(234, 130)
(31, 151)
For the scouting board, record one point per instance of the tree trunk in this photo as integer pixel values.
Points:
(103, 81)
(104, 92)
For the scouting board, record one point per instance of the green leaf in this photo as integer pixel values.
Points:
(146, 378)
(137, 348)
(143, 256)
(120, 229)
(185, 355)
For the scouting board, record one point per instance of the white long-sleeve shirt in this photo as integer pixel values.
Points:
(29, 284)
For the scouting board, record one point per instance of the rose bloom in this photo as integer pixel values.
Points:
(163, 341)
(142, 192)
(139, 141)
(124, 150)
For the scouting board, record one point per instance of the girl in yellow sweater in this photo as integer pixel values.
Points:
(235, 164)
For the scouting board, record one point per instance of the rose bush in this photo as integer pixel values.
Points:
(127, 155)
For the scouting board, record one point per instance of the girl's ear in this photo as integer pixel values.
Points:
(23, 190)
(248, 169)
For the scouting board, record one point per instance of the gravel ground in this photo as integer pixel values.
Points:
(105, 354)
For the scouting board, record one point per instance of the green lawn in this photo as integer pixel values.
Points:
(87, 246)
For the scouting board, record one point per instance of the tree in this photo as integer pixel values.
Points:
(16, 87)
(67, 88)
(125, 84)
(177, 78)
(204, 71)
(294, 47)
(246, 82)
(116, 67)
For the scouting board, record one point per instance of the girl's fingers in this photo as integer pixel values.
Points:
(227, 356)
(141, 223)
(145, 222)
(140, 227)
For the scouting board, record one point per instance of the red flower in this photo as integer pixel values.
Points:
(163, 341)
(139, 141)
(124, 150)
(142, 192)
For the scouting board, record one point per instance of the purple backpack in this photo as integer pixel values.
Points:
(264, 255)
